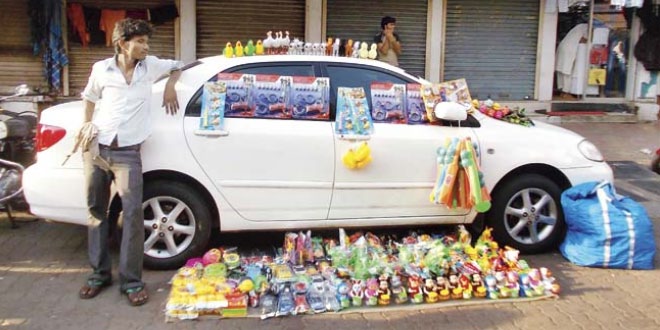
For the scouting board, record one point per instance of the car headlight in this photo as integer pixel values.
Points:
(589, 150)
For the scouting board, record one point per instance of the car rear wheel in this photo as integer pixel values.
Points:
(527, 214)
(177, 224)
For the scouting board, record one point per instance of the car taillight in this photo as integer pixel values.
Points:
(48, 135)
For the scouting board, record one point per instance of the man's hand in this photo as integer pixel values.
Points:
(170, 101)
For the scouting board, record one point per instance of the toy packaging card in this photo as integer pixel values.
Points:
(387, 102)
(448, 91)
(353, 115)
(310, 97)
(415, 105)
(213, 106)
(269, 96)
(238, 91)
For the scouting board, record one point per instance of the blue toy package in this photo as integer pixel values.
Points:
(269, 96)
(238, 91)
(387, 101)
(310, 97)
(415, 109)
(353, 115)
(213, 106)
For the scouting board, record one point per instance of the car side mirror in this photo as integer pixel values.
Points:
(450, 111)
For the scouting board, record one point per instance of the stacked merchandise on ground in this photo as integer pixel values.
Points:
(315, 275)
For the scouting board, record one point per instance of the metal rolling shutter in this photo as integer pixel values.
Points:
(17, 63)
(360, 20)
(219, 22)
(493, 45)
(82, 58)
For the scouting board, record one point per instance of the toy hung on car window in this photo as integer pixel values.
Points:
(213, 106)
(309, 97)
(387, 100)
(270, 96)
(353, 115)
(238, 88)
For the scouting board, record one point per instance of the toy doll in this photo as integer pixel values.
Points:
(455, 289)
(443, 288)
(466, 286)
(414, 292)
(478, 286)
(342, 294)
(384, 293)
(398, 290)
(371, 292)
(357, 293)
(430, 291)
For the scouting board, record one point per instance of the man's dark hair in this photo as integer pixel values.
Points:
(128, 28)
(386, 20)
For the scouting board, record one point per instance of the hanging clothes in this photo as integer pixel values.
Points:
(107, 23)
(76, 16)
(55, 55)
(93, 20)
(38, 24)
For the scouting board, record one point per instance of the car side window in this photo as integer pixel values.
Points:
(194, 107)
(357, 76)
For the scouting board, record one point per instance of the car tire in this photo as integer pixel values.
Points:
(526, 214)
(170, 242)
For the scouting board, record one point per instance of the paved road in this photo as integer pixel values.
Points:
(43, 264)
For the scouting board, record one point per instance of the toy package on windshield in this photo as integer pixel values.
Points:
(415, 105)
(310, 97)
(213, 106)
(353, 115)
(238, 91)
(448, 91)
(387, 102)
(269, 96)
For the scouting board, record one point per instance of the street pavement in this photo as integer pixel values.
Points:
(43, 264)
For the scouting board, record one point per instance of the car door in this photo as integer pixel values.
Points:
(398, 181)
(269, 169)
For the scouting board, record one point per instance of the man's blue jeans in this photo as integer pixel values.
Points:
(123, 167)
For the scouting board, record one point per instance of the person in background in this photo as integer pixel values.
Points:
(120, 89)
(389, 44)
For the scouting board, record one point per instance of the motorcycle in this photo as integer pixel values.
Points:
(17, 149)
(18, 131)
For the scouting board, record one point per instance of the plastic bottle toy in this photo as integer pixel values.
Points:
(384, 293)
(430, 291)
(398, 290)
(414, 292)
(480, 197)
(357, 293)
(342, 294)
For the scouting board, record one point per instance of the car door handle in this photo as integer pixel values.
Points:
(205, 132)
(354, 137)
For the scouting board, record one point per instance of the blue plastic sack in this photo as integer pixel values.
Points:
(605, 229)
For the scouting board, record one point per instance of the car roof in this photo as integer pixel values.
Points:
(230, 62)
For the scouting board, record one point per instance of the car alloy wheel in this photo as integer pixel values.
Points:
(527, 214)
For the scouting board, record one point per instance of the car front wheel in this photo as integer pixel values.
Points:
(527, 214)
(177, 224)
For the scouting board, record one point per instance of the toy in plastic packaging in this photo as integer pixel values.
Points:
(330, 297)
(310, 97)
(301, 306)
(213, 106)
(315, 298)
(267, 306)
(238, 87)
(448, 91)
(415, 109)
(387, 101)
(269, 96)
(353, 115)
(285, 302)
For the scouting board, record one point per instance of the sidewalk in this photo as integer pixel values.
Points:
(43, 264)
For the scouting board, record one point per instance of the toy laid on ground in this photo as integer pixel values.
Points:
(448, 91)
(502, 112)
(310, 97)
(313, 275)
(387, 101)
(238, 88)
(213, 106)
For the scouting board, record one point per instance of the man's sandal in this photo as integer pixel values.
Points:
(137, 296)
(92, 288)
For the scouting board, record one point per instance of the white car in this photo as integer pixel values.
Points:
(274, 174)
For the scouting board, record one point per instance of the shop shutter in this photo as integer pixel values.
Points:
(82, 58)
(360, 20)
(219, 22)
(493, 45)
(18, 64)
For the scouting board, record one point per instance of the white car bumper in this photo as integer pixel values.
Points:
(599, 172)
(56, 194)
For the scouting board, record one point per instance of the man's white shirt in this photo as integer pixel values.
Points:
(122, 109)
